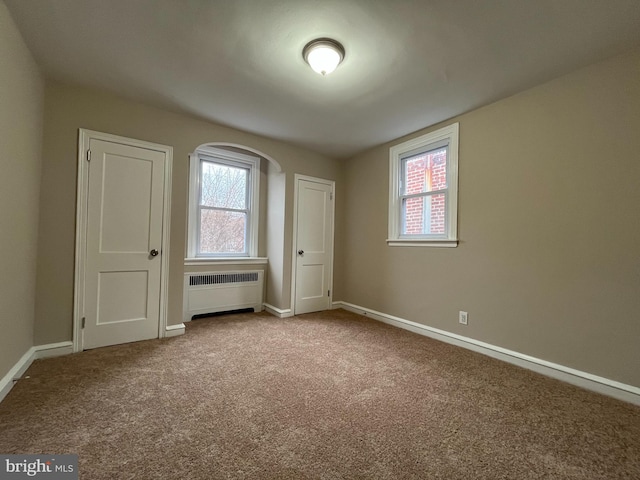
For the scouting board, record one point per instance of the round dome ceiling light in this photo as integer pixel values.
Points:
(323, 55)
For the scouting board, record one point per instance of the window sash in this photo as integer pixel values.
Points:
(403, 217)
(247, 185)
(425, 150)
(245, 252)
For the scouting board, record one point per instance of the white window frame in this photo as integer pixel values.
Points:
(444, 136)
(231, 158)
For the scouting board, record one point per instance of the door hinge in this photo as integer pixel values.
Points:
(330, 195)
(84, 320)
(88, 155)
(328, 293)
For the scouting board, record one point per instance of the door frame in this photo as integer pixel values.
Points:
(82, 194)
(294, 239)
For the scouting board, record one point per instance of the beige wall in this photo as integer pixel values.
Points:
(21, 99)
(549, 258)
(68, 108)
(276, 297)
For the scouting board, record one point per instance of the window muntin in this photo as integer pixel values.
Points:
(423, 190)
(223, 204)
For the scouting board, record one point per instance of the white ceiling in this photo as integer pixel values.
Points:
(409, 63)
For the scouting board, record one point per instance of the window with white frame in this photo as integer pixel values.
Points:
(423, 190)
(223, 204)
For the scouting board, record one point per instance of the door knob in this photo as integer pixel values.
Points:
(153, 252)
(300, 252)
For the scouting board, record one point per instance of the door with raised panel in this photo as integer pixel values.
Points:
(123, 243)
(314, 245)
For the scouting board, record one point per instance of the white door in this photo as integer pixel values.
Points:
(124, 227)
(314, 245)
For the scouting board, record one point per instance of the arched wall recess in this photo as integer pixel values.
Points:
(273, 161)
(272, 232)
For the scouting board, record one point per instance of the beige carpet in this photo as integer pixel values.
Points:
(329, 396)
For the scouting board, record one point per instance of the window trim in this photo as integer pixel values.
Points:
(447, 135)
(234, 159)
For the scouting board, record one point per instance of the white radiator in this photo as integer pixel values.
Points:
(211, 292)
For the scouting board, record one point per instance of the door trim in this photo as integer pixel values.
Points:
(84, 137)
(294, 239)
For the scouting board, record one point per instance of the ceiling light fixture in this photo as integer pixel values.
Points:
(323, 55)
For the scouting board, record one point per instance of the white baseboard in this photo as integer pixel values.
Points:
(53, 350)
(7, 382)
(174, 330)
(605, 386)
(40, 351)
(278, 312)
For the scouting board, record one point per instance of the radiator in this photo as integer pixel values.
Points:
(211, 292)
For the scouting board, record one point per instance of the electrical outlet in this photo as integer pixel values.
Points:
(463, 317)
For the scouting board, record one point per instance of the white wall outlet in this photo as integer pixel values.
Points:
(463, 317)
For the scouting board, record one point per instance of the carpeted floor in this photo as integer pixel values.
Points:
(331, 395)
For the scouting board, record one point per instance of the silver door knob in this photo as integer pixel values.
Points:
(300, 252)
(153, 252)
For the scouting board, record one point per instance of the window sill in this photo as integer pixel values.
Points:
(226, 261)
(399, 242)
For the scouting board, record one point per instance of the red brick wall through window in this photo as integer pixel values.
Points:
(425, 173)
